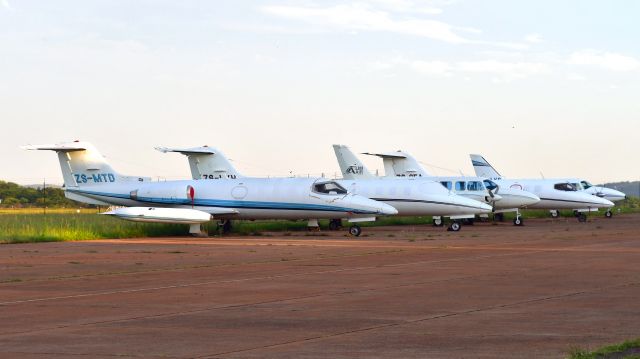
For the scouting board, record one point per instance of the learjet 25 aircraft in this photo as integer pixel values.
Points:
(422, 197)
(88, 178)
(555, 194)
(401, 164)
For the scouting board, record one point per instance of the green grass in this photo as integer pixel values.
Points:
(606, 352)
(20, 228)
(31, 225)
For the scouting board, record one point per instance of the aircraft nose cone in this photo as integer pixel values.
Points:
(529, 199)
(387, 210)
(472, 206)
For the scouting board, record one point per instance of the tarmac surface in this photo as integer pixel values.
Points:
(489, 291)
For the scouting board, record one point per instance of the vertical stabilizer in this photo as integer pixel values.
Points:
(350, 166)
(206, 162)
(483, 168)
(83, 165)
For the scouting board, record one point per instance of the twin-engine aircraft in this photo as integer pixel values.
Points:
(401, 165)
(422, 197)
(88, 178)
(555, 194)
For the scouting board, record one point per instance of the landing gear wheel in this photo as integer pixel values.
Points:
(438, 222)
(555, 213)
(454, 227)
(582, 218)
(608, 214)
(355, 230)
(518, 221)
(335, 224)
(498, 217)
(226, 226)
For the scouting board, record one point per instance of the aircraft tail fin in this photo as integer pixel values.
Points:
(206, 162)
(400, 164)
(83, 165)
(483, 168)
(350, 166)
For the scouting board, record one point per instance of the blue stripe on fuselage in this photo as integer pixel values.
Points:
(228, 203)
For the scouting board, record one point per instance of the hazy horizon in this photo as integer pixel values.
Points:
(538, 88)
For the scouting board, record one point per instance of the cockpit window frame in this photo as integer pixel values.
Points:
(338, 189)
(565, 186)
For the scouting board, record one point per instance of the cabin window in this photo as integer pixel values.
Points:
(446, 184)
(460, 186)
(329, 188)
(565, 187)
(490, 185)
(475, 186)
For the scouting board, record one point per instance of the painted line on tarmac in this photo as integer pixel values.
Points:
(420, 320)
(226, 281)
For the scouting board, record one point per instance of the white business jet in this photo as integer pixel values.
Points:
(88, 178)
(555, 194)
(403, 164)
(411, 198)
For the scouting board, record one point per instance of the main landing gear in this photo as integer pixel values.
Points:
(582, 217)
(555, 213)
(438, 222)
(225, 226)
(335, 224)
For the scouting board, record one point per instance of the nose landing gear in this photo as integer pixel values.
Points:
(355, 230)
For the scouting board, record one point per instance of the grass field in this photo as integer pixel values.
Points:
(630, 349)
(33, 225)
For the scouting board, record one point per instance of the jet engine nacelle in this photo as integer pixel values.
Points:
(162, 192)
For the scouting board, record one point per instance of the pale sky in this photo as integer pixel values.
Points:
(549, 87)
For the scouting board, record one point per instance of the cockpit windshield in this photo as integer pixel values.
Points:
(578, 186)
(586, 184)
(329, 188)
(565, 187)
(475, 186)
(490, 185)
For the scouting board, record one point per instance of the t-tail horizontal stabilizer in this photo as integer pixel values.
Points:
(400, 164)
(206, 162)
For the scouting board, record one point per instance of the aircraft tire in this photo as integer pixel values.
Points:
(438, 222)
(518, 221)
(555, 213)
(454, 227)
(582, 218)
(355, 230)
(608, 214)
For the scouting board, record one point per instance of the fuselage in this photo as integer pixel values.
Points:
(416, 197)
(555, 194)
(600, 191)
(246, 198)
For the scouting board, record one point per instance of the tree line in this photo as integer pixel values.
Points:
(14, 195)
